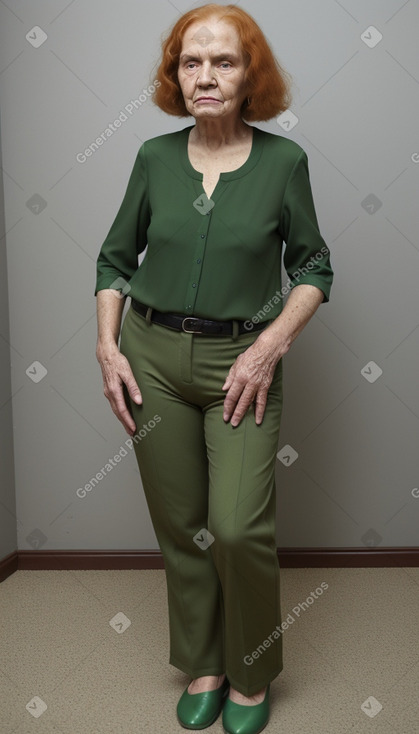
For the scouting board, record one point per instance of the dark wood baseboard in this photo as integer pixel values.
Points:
(86, 560)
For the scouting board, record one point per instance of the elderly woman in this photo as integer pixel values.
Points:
(199, 368)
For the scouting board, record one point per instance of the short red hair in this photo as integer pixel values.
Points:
(269, 83)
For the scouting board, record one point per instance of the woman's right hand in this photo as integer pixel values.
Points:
(116, 372)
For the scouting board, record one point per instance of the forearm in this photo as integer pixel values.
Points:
(115, 367)
(301, 305)
(109, 313)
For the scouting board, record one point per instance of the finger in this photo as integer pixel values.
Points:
(242, 407)
(230, 400)
(124, 416)
(260, 405)
(228, 381)
(133, 389)
(119, 406)
(129, 424)
(238, 400)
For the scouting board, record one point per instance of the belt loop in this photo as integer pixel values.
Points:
(235, 330)
(148, 315)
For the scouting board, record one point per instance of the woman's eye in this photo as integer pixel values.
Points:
(192, 64)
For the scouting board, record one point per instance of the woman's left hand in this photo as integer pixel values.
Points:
(249, 380)
(251, 374)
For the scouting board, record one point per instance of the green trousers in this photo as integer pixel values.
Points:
(210, 490)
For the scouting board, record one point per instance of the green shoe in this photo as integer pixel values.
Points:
(239, 719)
(199, 710)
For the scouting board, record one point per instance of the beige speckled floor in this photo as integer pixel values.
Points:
(358, 642)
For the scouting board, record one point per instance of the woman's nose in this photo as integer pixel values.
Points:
(205, 75)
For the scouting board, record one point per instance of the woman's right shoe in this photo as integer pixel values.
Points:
(199, 710)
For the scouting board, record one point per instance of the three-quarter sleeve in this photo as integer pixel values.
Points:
(127, 238)
(306, 256)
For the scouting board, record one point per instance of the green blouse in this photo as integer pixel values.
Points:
(218, 258)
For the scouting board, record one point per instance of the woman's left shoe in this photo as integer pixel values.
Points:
(238, 719)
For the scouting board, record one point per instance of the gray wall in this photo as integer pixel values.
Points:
(355, 479)
(8, 524)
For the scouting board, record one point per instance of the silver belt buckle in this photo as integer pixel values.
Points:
(190, 331)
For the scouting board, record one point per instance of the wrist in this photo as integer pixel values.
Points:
(106, 347)
(274, 341)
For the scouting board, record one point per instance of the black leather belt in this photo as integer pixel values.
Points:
(195, 325)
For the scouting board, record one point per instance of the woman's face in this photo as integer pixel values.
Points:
(211, 70)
